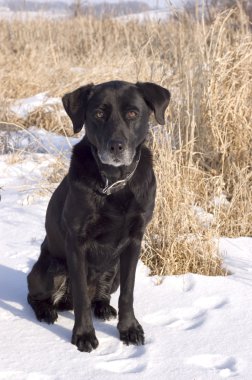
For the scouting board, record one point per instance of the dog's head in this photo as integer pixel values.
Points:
(116, 116)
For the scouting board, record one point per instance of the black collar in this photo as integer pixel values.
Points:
(107, 188)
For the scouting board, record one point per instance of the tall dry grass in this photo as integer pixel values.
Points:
(202, 154)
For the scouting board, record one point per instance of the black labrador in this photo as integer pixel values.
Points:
(97, 216)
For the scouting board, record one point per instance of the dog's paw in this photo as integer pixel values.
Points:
(132, 335)
(44, 310)
(103, 310)
(49, 315)
(85, 342)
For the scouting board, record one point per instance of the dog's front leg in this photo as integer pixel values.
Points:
(83, 332)
(131, 332)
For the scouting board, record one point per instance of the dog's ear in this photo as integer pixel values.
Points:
(75, 104)
(156, 97)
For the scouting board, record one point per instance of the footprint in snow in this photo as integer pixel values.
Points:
(225, 366)
(180, 318)
(211, 302)
(188, 317)
(121, 366)
(188, 282)
(107, 346)
(118, 358)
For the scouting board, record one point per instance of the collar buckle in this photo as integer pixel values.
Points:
(118, 185)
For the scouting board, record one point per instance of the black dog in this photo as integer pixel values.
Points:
(97, 216)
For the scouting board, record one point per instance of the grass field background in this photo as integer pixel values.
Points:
(202, 156)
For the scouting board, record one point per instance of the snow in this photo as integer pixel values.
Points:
(220, 201)
(205, 218)
(36, 140)
(7, 14)
(152, 15)
(196, 327)
(23, 107)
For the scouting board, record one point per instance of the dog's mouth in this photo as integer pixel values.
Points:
(124, 159)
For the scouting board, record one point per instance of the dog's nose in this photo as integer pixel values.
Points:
(116, 146)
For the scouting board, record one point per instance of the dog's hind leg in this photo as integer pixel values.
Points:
(64, 302)
(101, 301)
(47, 285)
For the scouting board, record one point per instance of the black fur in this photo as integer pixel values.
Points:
(93, 240)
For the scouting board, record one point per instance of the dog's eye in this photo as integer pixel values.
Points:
(99, 114)
(131, 115)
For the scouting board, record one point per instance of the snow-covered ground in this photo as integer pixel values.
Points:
(152, 15)
(7, 14)
(22, 107)
(196, 327)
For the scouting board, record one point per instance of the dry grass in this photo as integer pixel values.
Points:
(178, 240)
(208, 69)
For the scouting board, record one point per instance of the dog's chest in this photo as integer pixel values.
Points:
(116, 221)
